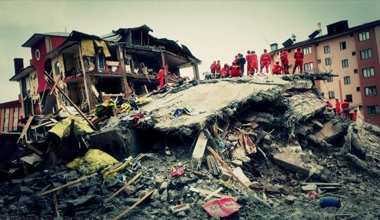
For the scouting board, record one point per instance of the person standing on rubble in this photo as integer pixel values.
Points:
(249, 63)
(241, 62)
(213, 68)
(345, 107)
(338, 107)
(161, 77)
(355, 115)
(284, 61)
(217, 67)
(277, 69)
(298, 56)
(265, 60)
(254, 65)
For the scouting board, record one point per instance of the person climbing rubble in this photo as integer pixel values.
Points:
(161, 77)
(265, 60)
(298, 56)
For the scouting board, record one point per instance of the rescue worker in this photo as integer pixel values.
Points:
(329, 105)
(338, 106)
(160, 77)
(265, 60)
(213, 68)
(254, 65)
(284, 61)
(355, 115)
(241, 62)
(277, 69)
(298, 56)
(249, 63)
(345, 106)
(217, 67)
(224, 70)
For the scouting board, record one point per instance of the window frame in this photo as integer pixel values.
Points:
(376, 110)
(363, 36)
(310, 66)
(370, 91)
(331, 95)
(347, 80)
(342, 45)
(367, 73)
(328, 63)
(326, 49)
(344, 62)
(307, 50)
(367, 54)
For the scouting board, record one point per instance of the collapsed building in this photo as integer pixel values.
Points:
(264, 147)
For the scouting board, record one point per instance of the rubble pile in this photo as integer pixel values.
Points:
(241, 148)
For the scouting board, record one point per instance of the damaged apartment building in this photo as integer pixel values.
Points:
(92, 69)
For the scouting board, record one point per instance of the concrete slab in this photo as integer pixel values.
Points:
(331, 131)
(215, 99)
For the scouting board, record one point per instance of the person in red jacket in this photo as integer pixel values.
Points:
(355, 115)
(284, 61)
(254, 65)
(224, 70)
(329, 105)
(265, 60)
(217, 67)
(160, 77)
(345, 107)
(213, 68)
(249, 63)
(338, 106)
(298, 56)
(277, 69)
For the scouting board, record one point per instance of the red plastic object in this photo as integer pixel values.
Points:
(179, 172)
(221, 207)
(313, 193)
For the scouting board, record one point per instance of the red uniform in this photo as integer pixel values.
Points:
(354, 115)
(298, 56)
(338, 107)
(255, 65)
(265, 59)
(213, 68)
(234, 71)
(285, 61)
(249, 64)
(345, 106)
(160, 77)
(217, 67)
(277, 69)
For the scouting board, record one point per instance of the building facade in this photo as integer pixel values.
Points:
(10, 113)
(353, 55)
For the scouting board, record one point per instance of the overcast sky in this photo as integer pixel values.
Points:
(212, 30)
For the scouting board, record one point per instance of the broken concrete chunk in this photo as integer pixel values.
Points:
(213, 166)
(309, 187)
(239, 173)
(290, 200)
(331, 131)
(224, 175)
(180, 208)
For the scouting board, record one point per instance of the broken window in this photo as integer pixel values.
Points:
(342, 45)
(366, 54)
(370, 91)
(331, 95)
(100, 62)
(347, 80)
(373, 110)
(364, 36)
(344, 63)
(368, 72)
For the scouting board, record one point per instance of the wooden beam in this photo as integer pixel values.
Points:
(67, 184)
(23, 133)
(125, 186)
(72, 103)
(85, 79)
(34, 149)
(134, 205)
(56, 205)
(55, 84)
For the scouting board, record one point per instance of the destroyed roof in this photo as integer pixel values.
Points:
(40, 36)
(22, 73)
(116, 36)
(329, 36)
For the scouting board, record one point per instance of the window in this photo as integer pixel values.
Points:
(370, 91)
(330, 79)
(373, 110)
(358, 89)
(327, 49)
(349, 98)
(347, 80)
(37, 54)
(328, 61)
(368, 72)
(48, 44)
(354, 53)
(319, 60)
(366, 54)
(308, 66)
(356, 71)
(344, 63)
(307, 50)
(6, 120)
(342, 45)
(15, 118)
(331, 95)
(364, 36)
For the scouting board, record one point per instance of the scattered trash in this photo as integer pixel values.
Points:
(221, 207)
